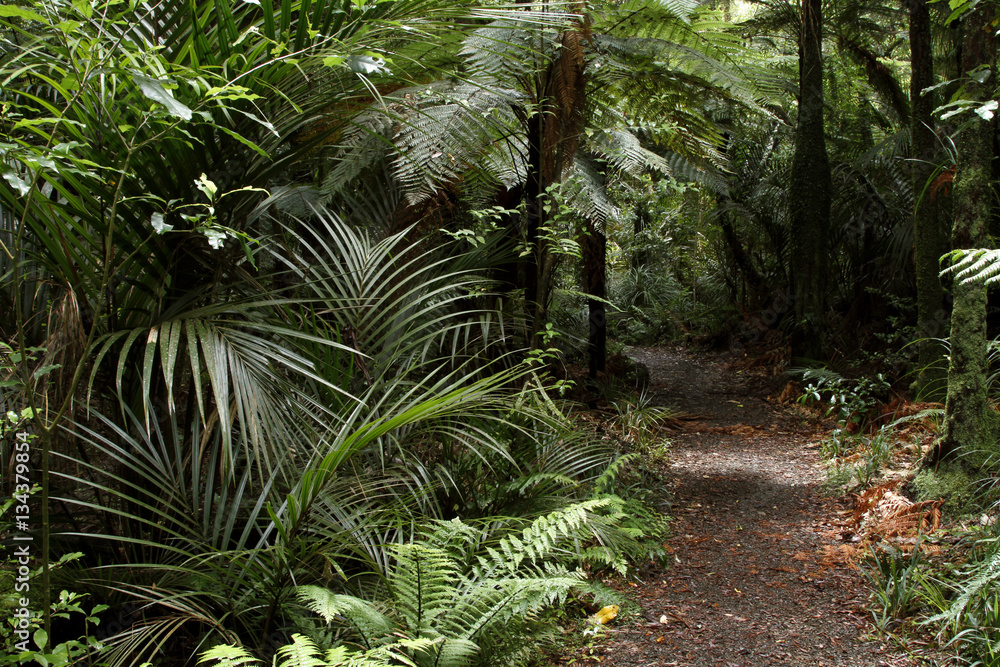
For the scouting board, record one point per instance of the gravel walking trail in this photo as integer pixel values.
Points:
(762, 569)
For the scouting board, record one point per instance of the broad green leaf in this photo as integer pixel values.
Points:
(16, 182)
(158, 225)
(7, 11)
(84, 7)
(155, 91)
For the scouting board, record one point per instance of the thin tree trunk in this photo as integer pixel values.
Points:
(594, 247)
(809, 189)
(930, 236)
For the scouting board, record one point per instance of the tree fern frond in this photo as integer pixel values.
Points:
(509, 50)
(685, 169)
(440, 142)
(974, 265)
(682, 9)
(585, 190)
(625, 151)
(362, 145)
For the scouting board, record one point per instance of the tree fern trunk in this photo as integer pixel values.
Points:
(552, 140)
(809, 188)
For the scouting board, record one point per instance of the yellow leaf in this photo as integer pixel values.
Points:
(606, 614)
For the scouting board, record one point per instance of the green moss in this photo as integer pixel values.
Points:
(952, 482)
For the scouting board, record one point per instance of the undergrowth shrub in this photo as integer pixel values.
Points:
(460, 594)
(970, 617)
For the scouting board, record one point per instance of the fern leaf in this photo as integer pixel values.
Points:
(228, 656)
(302, 652)
(457, 652)
(370, 624)
(423, 582)
(974, 265)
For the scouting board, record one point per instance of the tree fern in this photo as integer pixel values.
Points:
(423, 583)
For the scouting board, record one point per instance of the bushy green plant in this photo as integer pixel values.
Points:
(971, 619)
(895, 580)
(851, 402)
(639, 424)
(22, 636)
(460, 594)
(303, 652)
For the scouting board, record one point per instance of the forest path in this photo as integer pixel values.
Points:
(761, 571)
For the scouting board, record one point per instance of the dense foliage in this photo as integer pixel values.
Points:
(295, 295)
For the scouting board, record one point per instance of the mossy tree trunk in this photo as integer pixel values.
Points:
(969, 420)
(930, 235)
(809, 189)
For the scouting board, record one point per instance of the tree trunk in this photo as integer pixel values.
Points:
(930, 236)
(552, 140)
(594, 246)
(969, 420)
(640, 245)
(809, 189)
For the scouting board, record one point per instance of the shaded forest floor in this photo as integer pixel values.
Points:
(763, 567)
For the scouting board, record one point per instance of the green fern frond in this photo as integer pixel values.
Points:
(604, 483)
(370, 624)
(302, 652)
(623, 149)
(455, 652)
(607, 557)
(538, 541)
(974, 265)
(503, 602)
(509, 50)
(227, 655)
(423, 583)
(985, 577)
(682, 9)
(585, 191)
(447, 135)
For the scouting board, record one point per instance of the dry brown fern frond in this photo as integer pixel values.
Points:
(868, 499)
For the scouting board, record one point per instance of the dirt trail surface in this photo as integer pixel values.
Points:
(761, 571)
